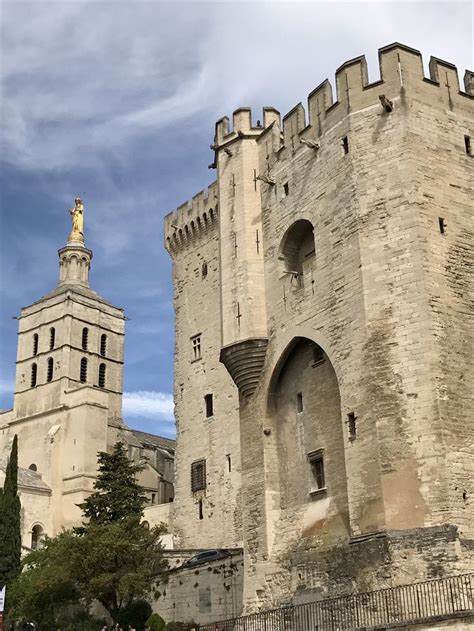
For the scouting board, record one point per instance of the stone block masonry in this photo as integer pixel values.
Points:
(338, 297)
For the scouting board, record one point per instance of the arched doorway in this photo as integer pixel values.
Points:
(305, 410)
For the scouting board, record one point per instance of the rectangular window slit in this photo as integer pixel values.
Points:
(201, 513)
(286, 189)
(229, 463)
(299, 402)
(467, 145)
(209, 405)
(442, 225)
(345, 145)
(351, 424)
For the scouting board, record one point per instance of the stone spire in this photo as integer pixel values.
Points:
(74, 257)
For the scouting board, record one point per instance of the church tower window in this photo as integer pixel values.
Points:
(36, 534)
(83, 372)
(35, 344)
(103, 345)
(49, 374)
(102, 369)
(34, 374)
(85, 338)
(52, 338)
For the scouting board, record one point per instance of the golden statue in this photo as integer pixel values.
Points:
(77, 216)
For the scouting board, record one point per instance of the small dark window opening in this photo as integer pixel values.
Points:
(299, 402)
(49, 375)
(85, 338)
(35, 344)
(351, 424)
(229, 463)
(345, 145)
(34, 374)
(209, 405)
(52, 338)
(442, 225)
(33, 467)
(286, 189)
(103, 345)
(36, 534)
(101, 380)
(153, 498)
(201, 513)
(204, 270)
(83, 372)
(198, 475)
(318, 478)
(467, 145)
(318, 355)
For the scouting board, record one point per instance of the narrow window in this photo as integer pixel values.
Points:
(35, 344)
(318, 355)
(34, 374)
(83, 372)
(351, 424)
(204, 270)
(101, 380)
(345, 145)
(316, 463)
(467, 145)
(229, 463)
(36, 534)
(49, 374)
(198, 475)
(442, 225)
(85, 338)
(153, 498)
(209, 405)
(196, 347)
(299, 402)
(286, 189)
(52, 338)
(103, 345)
(201, 514)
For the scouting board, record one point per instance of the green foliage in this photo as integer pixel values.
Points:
(156, 623)
(10, 533)
(117, 495)
(136, 614)
(45, 591)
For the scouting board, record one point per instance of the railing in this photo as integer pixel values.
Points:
(440, 598)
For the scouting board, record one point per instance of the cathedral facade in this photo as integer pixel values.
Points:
(323, 361)
(68, 401)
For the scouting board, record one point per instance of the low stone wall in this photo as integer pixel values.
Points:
(209, 591)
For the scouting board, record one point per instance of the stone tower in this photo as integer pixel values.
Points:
(68, 388)
(337, 294)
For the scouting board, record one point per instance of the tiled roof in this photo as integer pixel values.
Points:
(157, 441)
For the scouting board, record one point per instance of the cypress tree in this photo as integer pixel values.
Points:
(10, 533)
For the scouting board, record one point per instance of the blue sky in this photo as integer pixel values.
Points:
(117, 101)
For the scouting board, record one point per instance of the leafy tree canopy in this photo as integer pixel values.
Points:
(117, 495)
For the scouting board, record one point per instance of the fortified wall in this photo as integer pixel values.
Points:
(340, 250)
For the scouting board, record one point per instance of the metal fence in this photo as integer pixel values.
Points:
(404, 604)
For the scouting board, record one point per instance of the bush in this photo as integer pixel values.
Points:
(136, 614)
(156, 622)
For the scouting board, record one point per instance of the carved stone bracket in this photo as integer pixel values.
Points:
(244, 362)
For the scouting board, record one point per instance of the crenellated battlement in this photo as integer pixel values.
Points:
(401, 70)
(242, 125)
(192, 219)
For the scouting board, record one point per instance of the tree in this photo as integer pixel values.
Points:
(10, 533)
(117, 495)
(118, 563)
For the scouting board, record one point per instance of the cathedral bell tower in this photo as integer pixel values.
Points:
(68, 389)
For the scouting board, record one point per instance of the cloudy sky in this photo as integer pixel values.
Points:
(117, 100)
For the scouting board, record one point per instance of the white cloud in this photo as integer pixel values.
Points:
(82, 80)
(148, 404)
